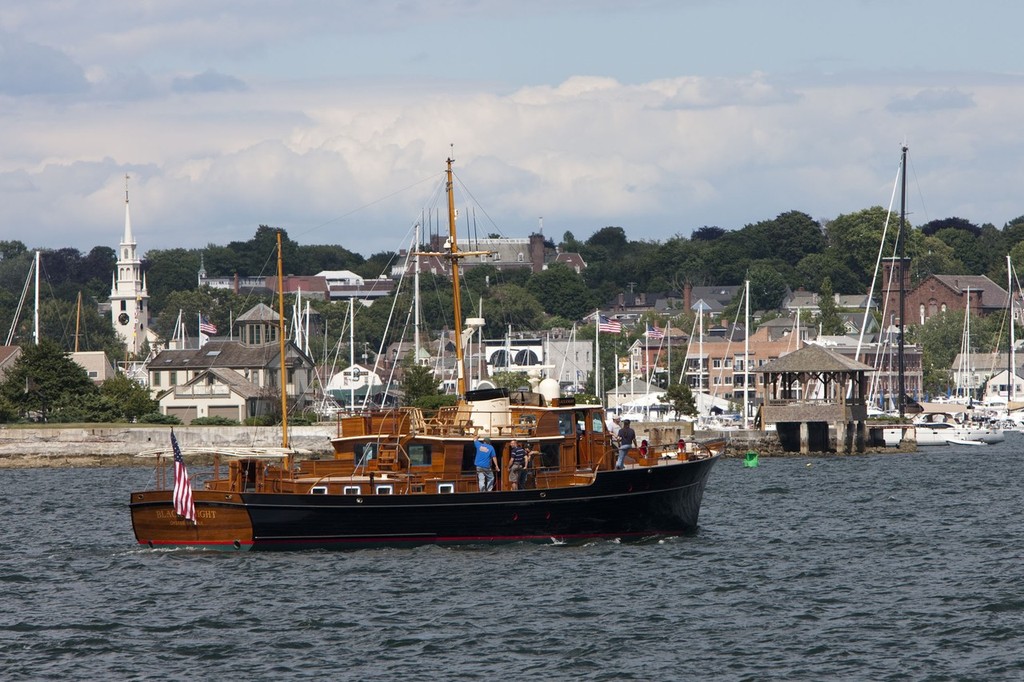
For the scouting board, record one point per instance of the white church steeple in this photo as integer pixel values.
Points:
(129, 299)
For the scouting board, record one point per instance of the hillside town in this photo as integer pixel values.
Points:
(694, 338)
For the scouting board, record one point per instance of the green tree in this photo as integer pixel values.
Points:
(510, 380)
(829, 320)
(418, 382)
(129, 397)
(511, 305)
(681, 398)
(855, 238)
(169, 271)
(44, 376)
(561, 291)
(789, 237)
(813, 268)
(767, 287)
(940, 340)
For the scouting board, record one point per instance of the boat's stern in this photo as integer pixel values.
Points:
(222, 521)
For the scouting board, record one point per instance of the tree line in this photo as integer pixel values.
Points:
(790, 251)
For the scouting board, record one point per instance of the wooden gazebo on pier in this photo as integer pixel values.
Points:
(811, 388)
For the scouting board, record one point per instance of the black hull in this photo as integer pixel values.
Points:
(632, 503)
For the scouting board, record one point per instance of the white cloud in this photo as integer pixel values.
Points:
(322, 121)
(28, 68)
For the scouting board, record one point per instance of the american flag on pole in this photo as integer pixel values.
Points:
(183, 504)
(606, 325)
(655, 332)
(206, 327)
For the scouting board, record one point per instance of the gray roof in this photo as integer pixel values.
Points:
(260, 312)
(225, 353)
(992, 295)
(813, 358)
(235, 381)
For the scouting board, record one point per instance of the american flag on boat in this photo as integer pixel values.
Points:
(606, 325)
(183, 504)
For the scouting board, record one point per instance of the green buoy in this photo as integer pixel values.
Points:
(750, 459)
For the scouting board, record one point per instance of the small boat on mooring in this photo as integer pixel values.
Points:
(399, 478)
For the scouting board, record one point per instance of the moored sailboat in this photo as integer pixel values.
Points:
(399, 478)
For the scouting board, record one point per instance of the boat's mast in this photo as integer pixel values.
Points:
(280, 334)
(901, 252)
(453, 255)
(460, 360)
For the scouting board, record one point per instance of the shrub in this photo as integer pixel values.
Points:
(157, 418)
(265, 420)
(214, 421)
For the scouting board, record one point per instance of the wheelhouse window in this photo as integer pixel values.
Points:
(565, 423)
(365, 452)
(549, 455)
(419, 454)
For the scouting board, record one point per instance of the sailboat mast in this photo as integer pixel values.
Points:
(352, 355)
(746, 355)
(280, 335)
(416, 297)
(1011, 375)
(35, 322)
(78, 320)
(460, 360)
(901, 242)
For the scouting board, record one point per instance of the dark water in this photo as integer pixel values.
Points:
(893, 567)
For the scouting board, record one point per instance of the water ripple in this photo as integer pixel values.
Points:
(860, 568)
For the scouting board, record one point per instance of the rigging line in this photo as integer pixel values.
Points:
(689, 342)
(477, 203)
(409, 313)
(21, 302)
(874, 278)
(917, 183)
(728, 346)
(383, 340)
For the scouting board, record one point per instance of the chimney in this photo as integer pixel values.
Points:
(536, 251)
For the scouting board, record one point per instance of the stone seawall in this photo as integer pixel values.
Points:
(738, 442)
(118, 446)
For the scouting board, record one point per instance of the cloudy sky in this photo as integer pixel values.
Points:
(333, 118)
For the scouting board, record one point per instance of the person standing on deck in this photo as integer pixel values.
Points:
(486, 463)
(613, 426)
(627, 440)
(517, 464)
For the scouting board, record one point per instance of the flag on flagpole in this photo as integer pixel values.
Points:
(183, 503)
(206, 327)
(654, 332)
(606, 325)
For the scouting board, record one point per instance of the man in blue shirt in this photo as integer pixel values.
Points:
(485, 458)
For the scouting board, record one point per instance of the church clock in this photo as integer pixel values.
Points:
(123, 318)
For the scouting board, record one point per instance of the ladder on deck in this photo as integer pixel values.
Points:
(387, 455)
